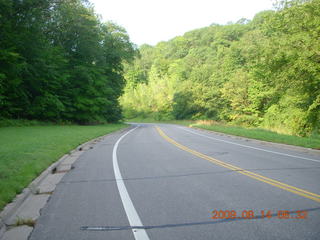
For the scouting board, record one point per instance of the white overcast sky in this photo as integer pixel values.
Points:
(152, 21)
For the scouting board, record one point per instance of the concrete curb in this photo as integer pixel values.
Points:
(33, 188)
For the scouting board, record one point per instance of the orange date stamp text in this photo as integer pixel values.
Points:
(262, 214)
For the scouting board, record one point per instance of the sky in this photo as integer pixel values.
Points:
(152, 21)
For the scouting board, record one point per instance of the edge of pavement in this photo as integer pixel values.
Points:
(262, 142)
(19, 216)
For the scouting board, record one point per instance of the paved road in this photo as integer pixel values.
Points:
(166, 182)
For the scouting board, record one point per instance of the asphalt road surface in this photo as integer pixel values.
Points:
(172, 182)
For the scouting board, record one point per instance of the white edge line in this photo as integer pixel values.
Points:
(242, 145)
(132, 215)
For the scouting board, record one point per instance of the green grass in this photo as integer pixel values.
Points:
(265, 135)
(26, 151)
(254, 133)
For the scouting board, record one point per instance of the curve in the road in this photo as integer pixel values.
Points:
(289, 188)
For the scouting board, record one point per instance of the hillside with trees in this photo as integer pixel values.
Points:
(263, 72)
(59, 62)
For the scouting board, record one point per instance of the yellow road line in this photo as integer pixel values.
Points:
(289, 188)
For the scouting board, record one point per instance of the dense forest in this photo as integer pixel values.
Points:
(263, 72)
(59, 62)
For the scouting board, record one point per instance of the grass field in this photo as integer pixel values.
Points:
(254, 133)
(26, 151)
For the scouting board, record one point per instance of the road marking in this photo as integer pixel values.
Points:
(289, 188)
(242, 145)
(132, 215)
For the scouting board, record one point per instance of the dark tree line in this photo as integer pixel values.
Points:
(59, 62)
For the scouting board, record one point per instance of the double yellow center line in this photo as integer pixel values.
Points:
(253, 175)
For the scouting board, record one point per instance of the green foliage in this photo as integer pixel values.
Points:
(263, 72)
(181, 105)
(59, 62)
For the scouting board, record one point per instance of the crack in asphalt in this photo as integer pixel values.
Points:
(187, 175)
(187, 224)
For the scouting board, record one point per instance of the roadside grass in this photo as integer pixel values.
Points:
(254, 133)
(26, 151)
(263, 134)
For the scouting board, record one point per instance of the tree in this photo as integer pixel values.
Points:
(59, 62)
